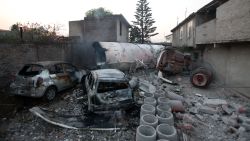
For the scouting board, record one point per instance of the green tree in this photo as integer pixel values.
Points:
(134, 34)
(15, 27)
(98, 12)
(144, 21)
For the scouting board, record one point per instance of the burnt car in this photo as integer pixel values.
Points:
(108, 89)
(45, 79)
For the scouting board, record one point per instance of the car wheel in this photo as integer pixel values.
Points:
(201, 77)
(50, 94)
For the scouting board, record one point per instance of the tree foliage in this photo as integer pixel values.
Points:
(33, 33)
(134, 35)
(98, 12)
(144, 22)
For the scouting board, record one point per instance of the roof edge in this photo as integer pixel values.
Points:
(184, 21)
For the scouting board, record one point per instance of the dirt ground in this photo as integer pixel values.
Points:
(20, 125)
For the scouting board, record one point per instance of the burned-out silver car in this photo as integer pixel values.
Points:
(45, 79)
(108, 89)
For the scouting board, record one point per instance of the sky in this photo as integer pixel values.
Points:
(165, 12)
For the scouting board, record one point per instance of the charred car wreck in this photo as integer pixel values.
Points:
(108, 89)
(45, 79)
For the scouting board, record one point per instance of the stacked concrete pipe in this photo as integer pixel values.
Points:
(150, 120)
(165, 131)
(165, 117)
(145, 95)
(145, 133)
(162, 100)
(157, 95)
(147, 109)
(163, 108)
(159, 119)
(150, 101)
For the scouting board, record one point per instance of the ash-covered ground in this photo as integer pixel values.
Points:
(201, 121)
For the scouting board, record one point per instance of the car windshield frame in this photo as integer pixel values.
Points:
(115, 87)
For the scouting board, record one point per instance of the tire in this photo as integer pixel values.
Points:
(201, 77)
(50, 94)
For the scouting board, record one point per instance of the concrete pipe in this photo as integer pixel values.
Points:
(165, 131)
(148, 95)
(150, 120)
(147, 109)
(162, 100)
(150, 101)
(163, 108)
(145, 133)
(157, 95)
(166, 117)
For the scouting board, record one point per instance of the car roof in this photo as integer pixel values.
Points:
(109, 74)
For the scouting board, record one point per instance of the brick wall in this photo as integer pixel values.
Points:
(13, 57)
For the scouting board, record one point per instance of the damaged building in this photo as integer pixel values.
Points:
(219, 34)
(112, 28)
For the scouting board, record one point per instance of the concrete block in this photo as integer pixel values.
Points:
(174, 96)
(193, 110)
(246, 125)
(230, 121)
(207, 110)
(227, 109)
(214, 102)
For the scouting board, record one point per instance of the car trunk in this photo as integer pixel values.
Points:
(25, 76)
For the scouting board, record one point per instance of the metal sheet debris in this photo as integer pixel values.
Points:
(68, 122)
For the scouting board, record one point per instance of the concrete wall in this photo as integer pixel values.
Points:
(185, 41)
(205, 33)
(76, 28)
(90, 30)
(13, 57)
(233, 21)
(99, 29)
(231, 65)
(103, 29)
(123, 37)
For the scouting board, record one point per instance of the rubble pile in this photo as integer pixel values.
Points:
(196, 114)
(213, 119)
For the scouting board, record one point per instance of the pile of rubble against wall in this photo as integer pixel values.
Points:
(203, 116)
(214, 119)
